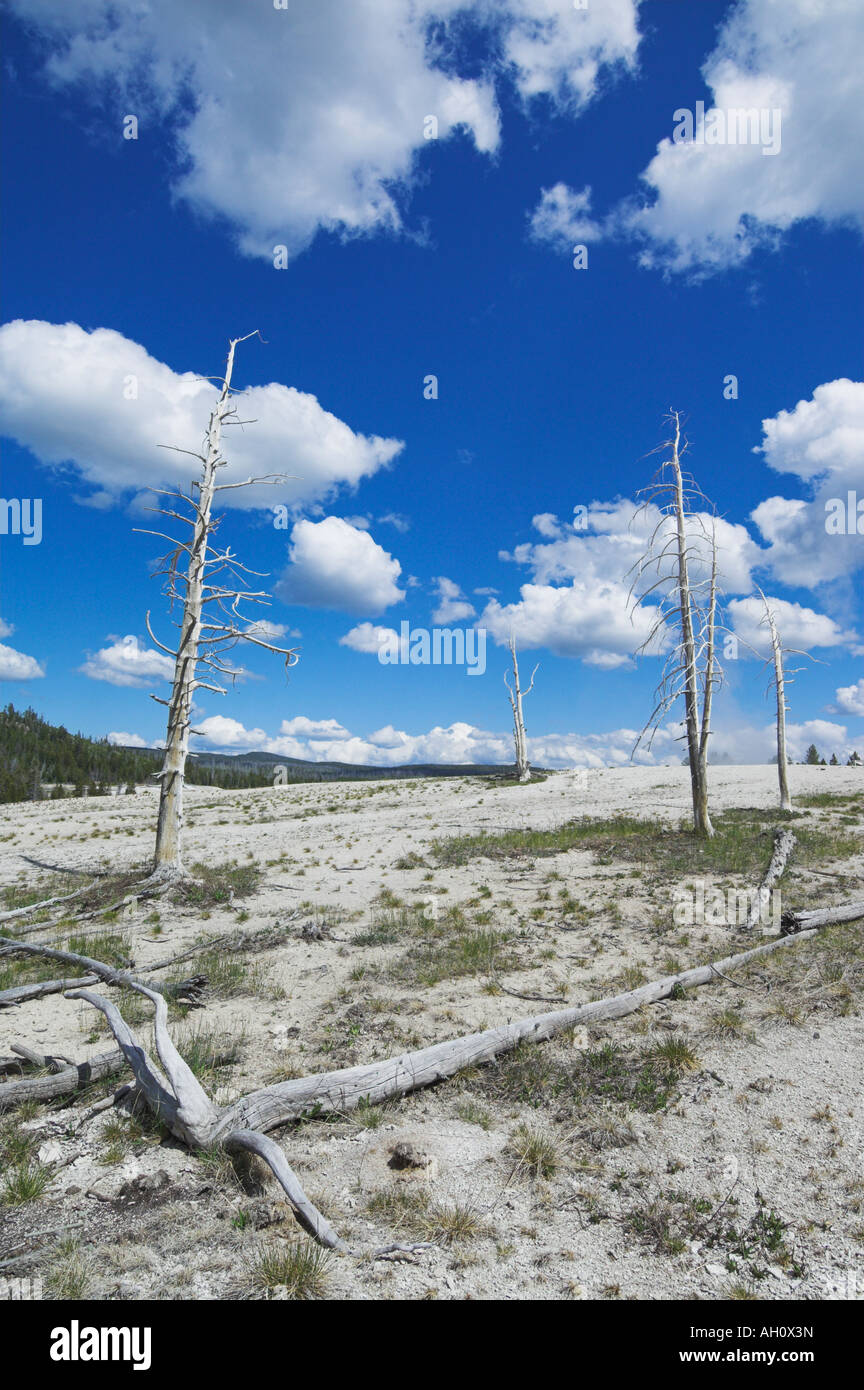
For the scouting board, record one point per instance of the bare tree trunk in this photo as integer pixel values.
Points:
(696, 741)
(200, 641)
(516, 696)
(780, 687)
(170, 823)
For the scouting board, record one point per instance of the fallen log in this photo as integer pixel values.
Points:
(784, 842)
(183, 1105)
(20, 994)
(38, 1059)
(109, 974)
(46, 902)
(794, 923)
(74, 1077)
(129, 900)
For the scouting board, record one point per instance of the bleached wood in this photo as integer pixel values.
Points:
(182, 1104)
(309, 1215)
(21, 994)
(73, 1078)
(46, 902)
(516, 695)
(198, 644)
(109, 973)
(799, 923)
(692, 668)
(784, 842)
(380, 1081)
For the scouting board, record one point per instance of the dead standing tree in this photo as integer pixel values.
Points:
(779, 682)
(517, 695)
(205, 636)
(680, 543)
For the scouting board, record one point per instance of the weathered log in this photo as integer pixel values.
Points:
(380, 1081)
(107, 973)
(38, 1059)
(183, 1105)
(794, 923)
(20, 994)
(46, 902)
(784, 842)
(63, 1083)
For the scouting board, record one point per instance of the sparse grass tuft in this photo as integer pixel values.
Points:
(535, 1150)
(25, 1182)
(70, 1274)
(451, 1222)
(208, 1050)
(301, 1268)
(212, 885)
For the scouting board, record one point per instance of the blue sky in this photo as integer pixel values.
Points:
(451, 256)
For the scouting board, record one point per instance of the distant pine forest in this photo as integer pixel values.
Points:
(42, 761)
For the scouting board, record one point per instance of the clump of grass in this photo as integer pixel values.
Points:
(301, 1268)
(208, 1051)
(545, 1076)
(70, 1274)
(536, 1150)
(412, 860)
(120, 1135)
(515, 844)
(827, 969)
(474, 1114)
(17, 1145)
(401, 1208)
(387, 898)
(227, 974)
(658, 1223)
(728, 1023)
(451, 1222)
(604, 1130)
(212, 885)
(671, 1057)
(25, 1182)
(114, 948)
(367, 1115)
(220, 1167)
(440, 947)
(387, 927)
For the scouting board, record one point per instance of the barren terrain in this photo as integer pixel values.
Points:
(706, 1147)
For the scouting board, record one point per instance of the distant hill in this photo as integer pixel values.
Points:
(35, 754)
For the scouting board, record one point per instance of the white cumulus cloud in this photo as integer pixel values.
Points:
(821, 442)
(64, 395)
(850, 698)
(712, 204)
(124, 740)
(311, 117)
(333, 565)
(452, 605)
(798, 627)
(563, 218)
(125, 662)
(16, 666)
(370, 637)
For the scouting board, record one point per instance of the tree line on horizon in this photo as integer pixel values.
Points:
(34, 753)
